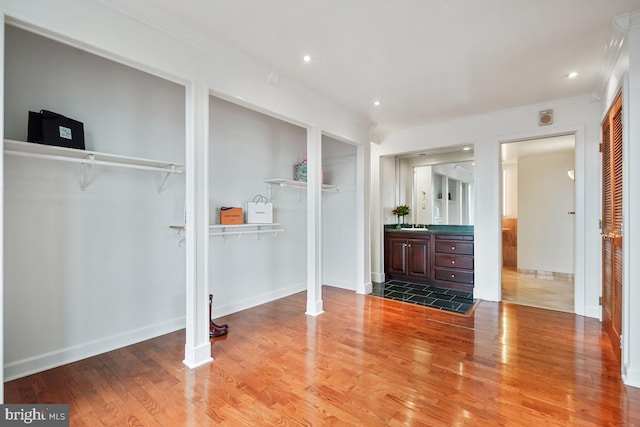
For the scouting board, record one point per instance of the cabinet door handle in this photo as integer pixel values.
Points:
(453, 248)
(453, 276)
(453, 261)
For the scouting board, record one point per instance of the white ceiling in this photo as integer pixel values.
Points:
(424, 60)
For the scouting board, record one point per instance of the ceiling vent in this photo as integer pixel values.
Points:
(545, 118)
(273, 78)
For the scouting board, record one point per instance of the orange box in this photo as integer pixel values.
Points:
(229, 215)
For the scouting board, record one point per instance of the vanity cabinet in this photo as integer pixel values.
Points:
(439, 259)
(453, 261)
(407, 257)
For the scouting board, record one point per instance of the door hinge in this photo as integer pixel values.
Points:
(600, 224)
(600, 301)
(600, 147)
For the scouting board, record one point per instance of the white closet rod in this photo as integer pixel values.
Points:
(230, 233)
(89, 161)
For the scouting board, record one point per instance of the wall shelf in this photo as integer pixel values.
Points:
(232, 230)
(88, 159)
(242, 229)
(287, 184)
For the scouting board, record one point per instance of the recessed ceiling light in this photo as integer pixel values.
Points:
(467, 148)
(376, 103)
(572, 75)
(306, 58)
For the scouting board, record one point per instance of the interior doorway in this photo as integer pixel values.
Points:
(538, 222)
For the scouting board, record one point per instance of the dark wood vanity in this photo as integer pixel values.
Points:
(443, 258)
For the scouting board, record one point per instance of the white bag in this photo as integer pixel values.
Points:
(259, 211)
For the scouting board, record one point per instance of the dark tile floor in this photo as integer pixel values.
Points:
(427, 295)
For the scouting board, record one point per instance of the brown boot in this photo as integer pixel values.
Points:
(215, 330)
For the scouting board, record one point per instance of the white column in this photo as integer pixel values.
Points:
(488, 268)
(363, 211)
(376, 230)
(631, 210)
(314, 221)
(197, 349)
(2, 209)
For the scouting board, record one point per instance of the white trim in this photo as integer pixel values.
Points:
(2, 373)
(197, 356)
(631, 377)
(197, 225)
(256, 300)
(377, 277)
(314, 221)
(580, 292)
(42, 362)
(342, 284)
(363, 214)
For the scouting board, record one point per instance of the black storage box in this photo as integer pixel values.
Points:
(47, 127)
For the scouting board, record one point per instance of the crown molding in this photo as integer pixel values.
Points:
(621, 25)
(627, 21)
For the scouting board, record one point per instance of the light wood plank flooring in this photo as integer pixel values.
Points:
(367, 361)
(526, 289)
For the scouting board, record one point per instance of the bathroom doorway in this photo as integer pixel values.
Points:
(538, 222)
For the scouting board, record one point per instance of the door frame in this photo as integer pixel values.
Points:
(582, 206)
(576, 249)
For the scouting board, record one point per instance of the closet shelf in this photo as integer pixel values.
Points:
(87, 159)
(233, 230)
(287, 184)
(242, 229)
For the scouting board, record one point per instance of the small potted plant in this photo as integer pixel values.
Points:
(401, 211)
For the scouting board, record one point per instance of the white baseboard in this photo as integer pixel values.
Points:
(256, 300)
(350, 286)
(594, 311)
(42, 362)
(631, 376)
(195, 357)
(365, 288)
(377, 277)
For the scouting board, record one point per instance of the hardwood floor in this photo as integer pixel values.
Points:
(527, 289)
(366, 361)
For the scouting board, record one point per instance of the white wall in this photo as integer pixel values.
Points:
(88, 271)
(510, 190)
(625, 77)
(247, 148)
(545, 229)
(339, 219)
(2, 50)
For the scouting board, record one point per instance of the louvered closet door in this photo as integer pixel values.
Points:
(612, 223)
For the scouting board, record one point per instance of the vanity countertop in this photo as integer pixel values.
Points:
(432, 229)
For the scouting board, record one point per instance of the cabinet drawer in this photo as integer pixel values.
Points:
(452, 247)
(454, 275)
(454, 261)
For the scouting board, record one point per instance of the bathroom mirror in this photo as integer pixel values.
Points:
(439, 186)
